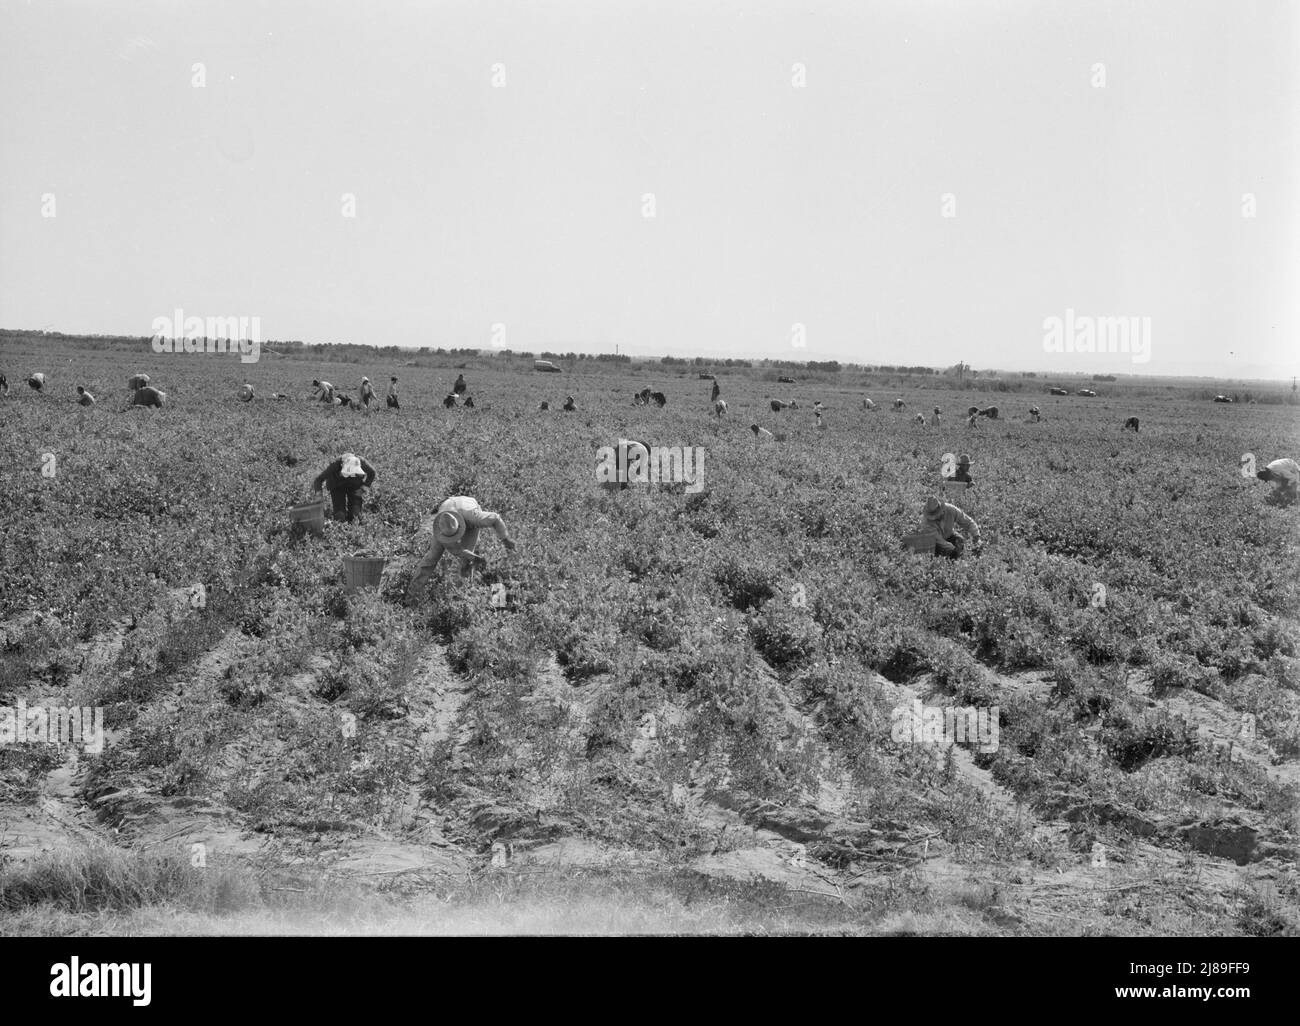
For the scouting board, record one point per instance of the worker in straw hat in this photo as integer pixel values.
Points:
(962, 473)
(367, 392)
(455, 529)
(939, 523)
(346, 477)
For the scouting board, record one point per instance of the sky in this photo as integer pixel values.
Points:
(916, 182)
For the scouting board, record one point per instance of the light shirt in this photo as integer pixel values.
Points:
(1288, 470)
(945, 524)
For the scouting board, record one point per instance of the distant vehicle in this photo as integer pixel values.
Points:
(545, 365)
(1059, 391)
(1087, 392)
(787, 381)
(1223, 398)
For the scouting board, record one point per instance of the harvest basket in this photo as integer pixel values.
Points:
(310, 516)
(921, 541)
(361, 570)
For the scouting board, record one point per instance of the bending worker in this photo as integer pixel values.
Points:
(1285, 475)
(346, 477)
(941, 520)
(455, 530)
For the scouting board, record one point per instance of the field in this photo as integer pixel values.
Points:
(673, 708)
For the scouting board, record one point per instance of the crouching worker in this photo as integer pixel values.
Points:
(345, 477)
(455, 530)
(149, 396)
(1285, 475)
(939, 525)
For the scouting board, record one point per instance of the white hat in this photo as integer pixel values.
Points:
(448, 527)
(351, 466)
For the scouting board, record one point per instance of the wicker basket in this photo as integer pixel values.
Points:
(310, 516)
(362, 571)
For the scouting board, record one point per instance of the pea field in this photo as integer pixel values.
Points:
(682, 700)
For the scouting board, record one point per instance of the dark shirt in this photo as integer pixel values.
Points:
(333, 478)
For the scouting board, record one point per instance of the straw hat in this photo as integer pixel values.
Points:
(448, 527)
(351, 466)
(933, 508)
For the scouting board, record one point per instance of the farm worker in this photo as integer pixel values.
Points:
(1285, 474)
(324, 391)
(962, 473)
(84, 398)
(346, 476)
(367, 391)
(455, 530)
(37, 381)
(450, 401)
(1034, 414)
(719, 407)
(940, 520)
(137, 381)
(713, 397)
(460, 386)
(569, 404)
(971, 421)
(760, 432)
(4, 385)
(392, 393)
(246, 393)
(148, 396)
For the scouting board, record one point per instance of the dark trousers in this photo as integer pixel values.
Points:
(958, 544)
(347, 503)
(392, 401)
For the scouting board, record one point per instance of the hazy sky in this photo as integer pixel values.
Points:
(798, 154)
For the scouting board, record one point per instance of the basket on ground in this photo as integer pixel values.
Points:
(310, 516)
(921, 541)
(361, 570)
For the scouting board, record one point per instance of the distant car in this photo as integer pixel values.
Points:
(1087, 392)
(1223, 398)
(1059, 391)
(786, 381)
(545, 365)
